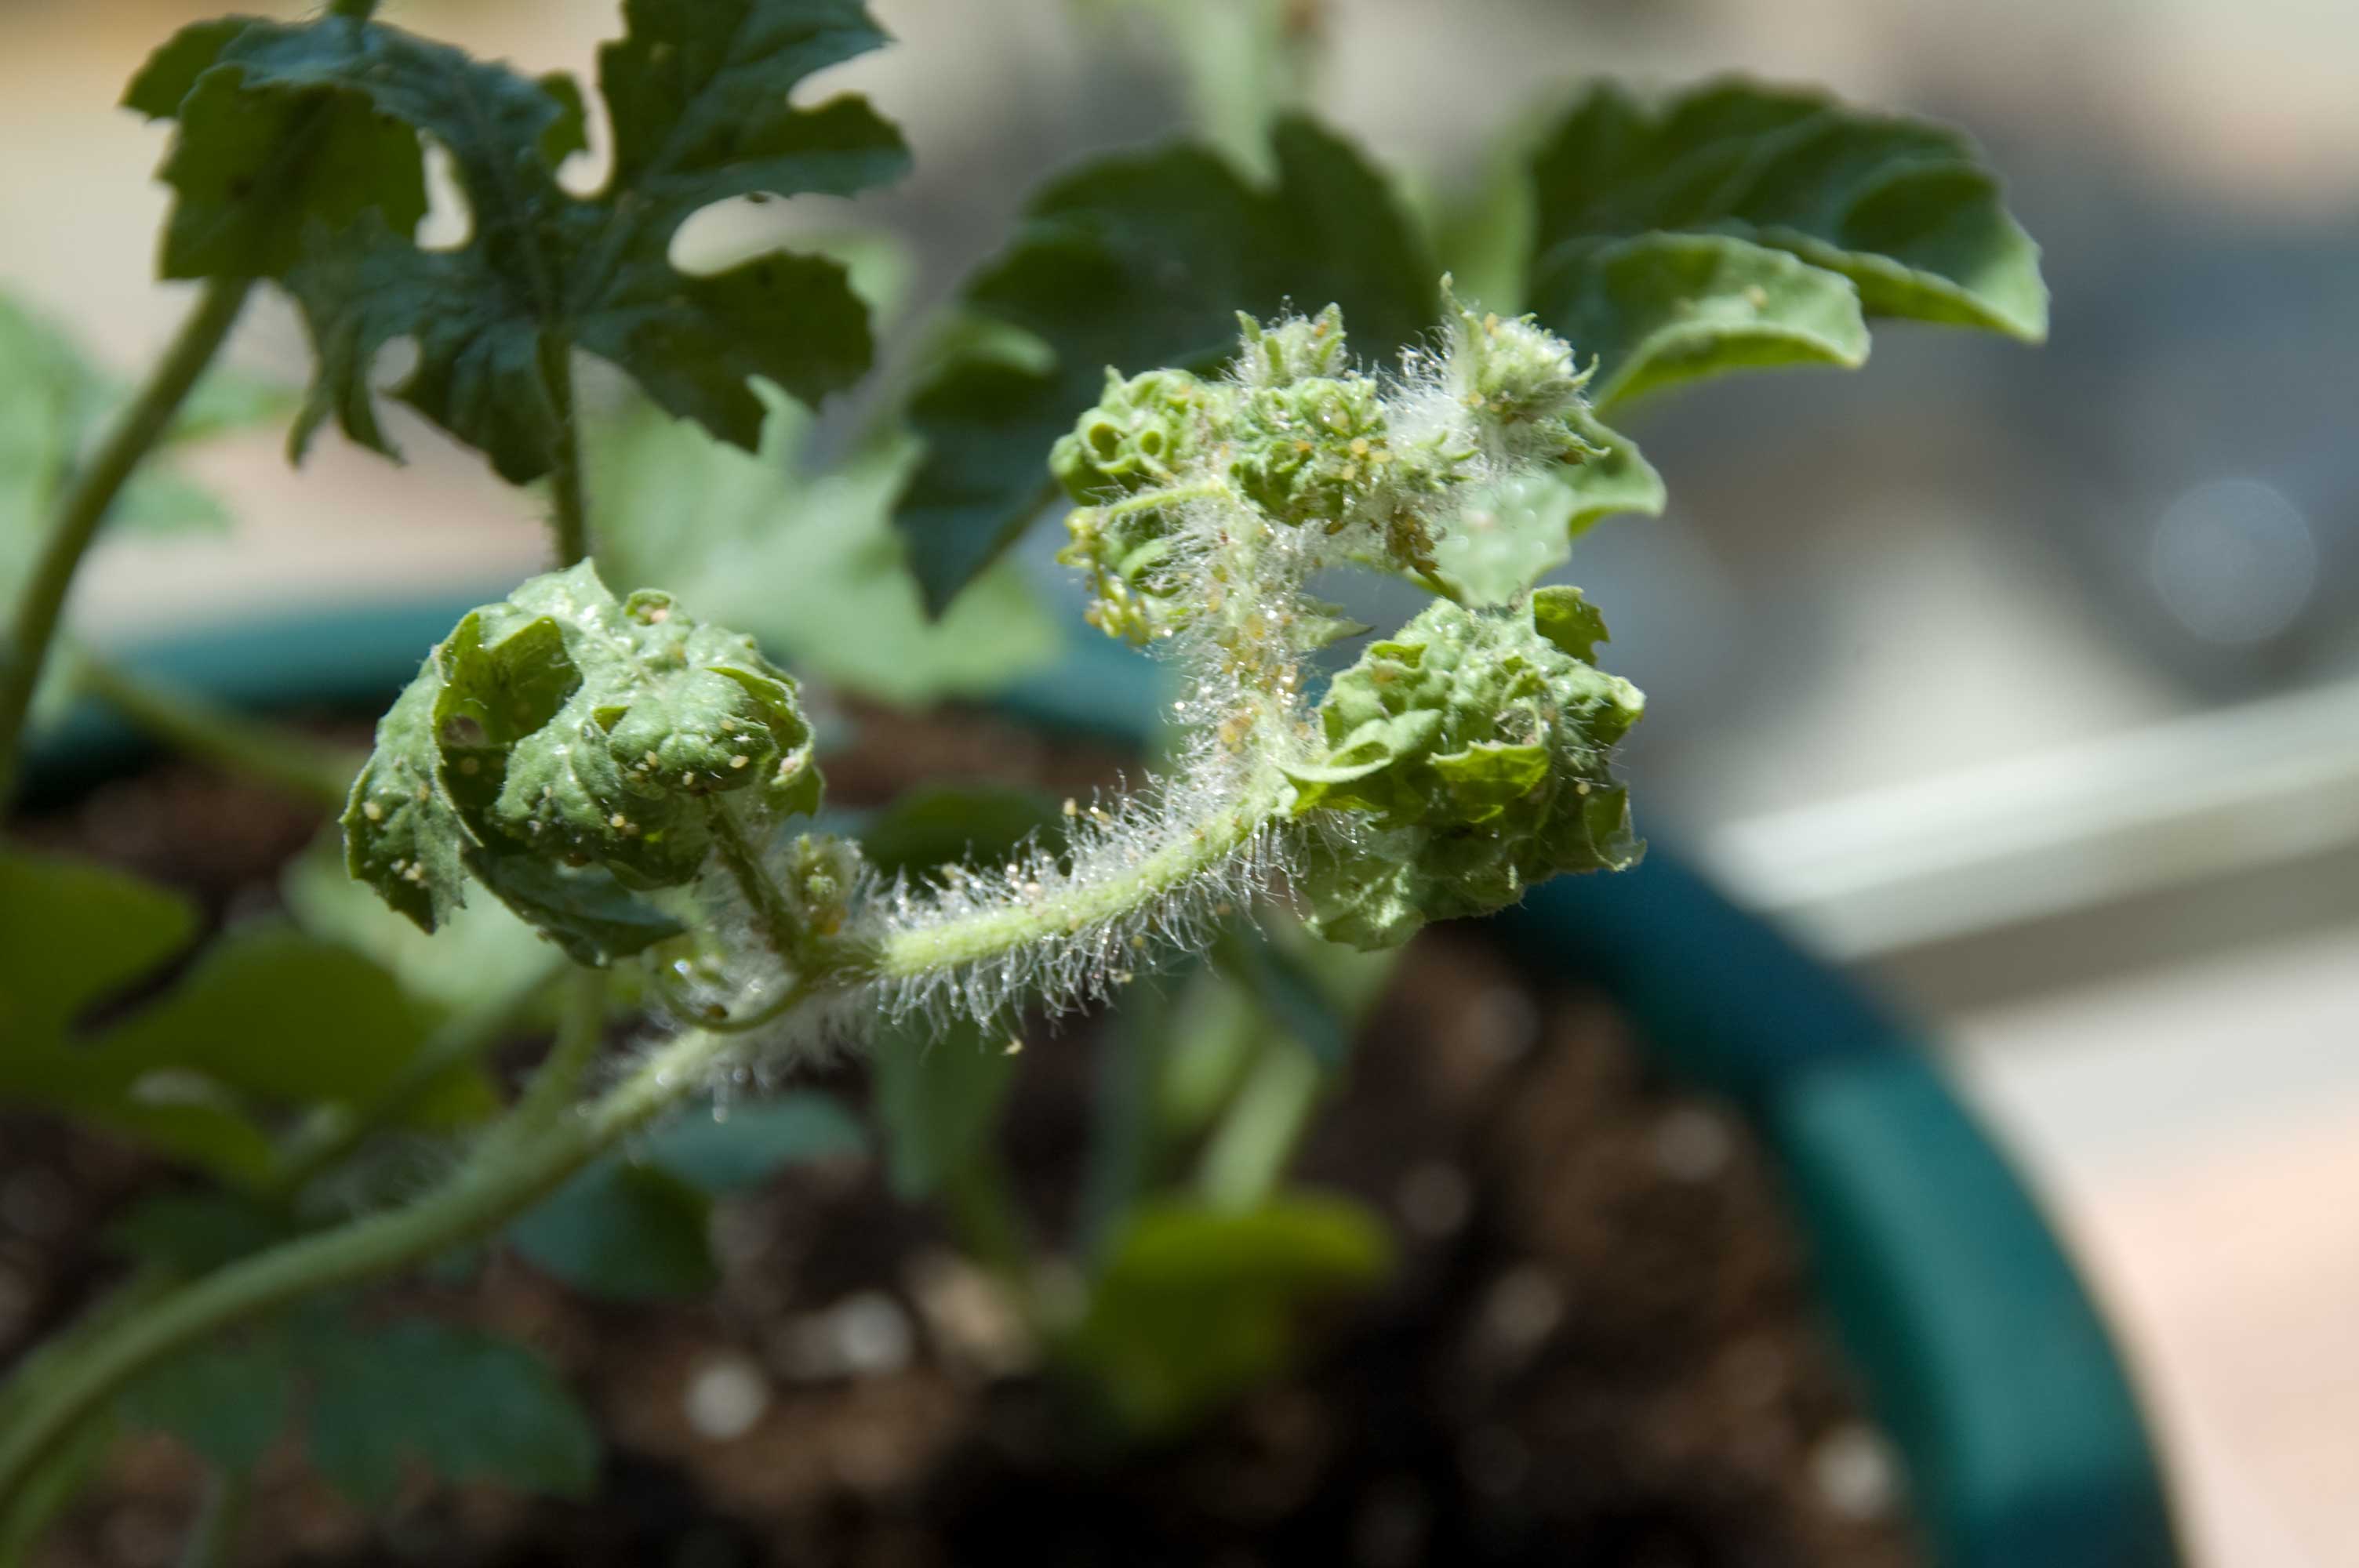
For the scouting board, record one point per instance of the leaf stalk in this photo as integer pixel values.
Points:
(570, 519)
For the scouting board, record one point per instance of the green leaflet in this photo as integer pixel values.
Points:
(457, 1401)
(698, 96)
(1737, 225)
(637, 1229)
(1476, 744)
(197, 1232)
(726, 1152)
(228, 1400)
(1138, 260)
(377, 1402)
(1195, 1305)
(623, 1230)
(479, 955)
(192, 1074)
(284, 1019)
(564, 749)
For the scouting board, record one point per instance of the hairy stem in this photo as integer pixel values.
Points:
(570, 521)
(83, 506)
(996, 933)
(485, 1195)
(308, 769)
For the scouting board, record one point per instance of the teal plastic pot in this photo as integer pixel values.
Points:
(1982, 1352)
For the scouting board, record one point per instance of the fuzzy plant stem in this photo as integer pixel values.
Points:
(487, 1194)
(984, 938)
(84, 505)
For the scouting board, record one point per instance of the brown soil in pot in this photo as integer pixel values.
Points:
(1600, 1347)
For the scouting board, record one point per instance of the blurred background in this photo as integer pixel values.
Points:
(2024, 682)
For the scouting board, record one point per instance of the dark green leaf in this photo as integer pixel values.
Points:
(939, 1100)
(227, 1399)
(269, 1017)
(1136, 262)
(195, 1233)
(625, 1230)
(253, 168)
(481, 956)
(291, 1020)
(71, 933)
(582, 909)
(1740, 225)
(449, 1401)
(725, 1154)
(934, 824)
(1196, 1305)
(699, 98)
(455, 1402)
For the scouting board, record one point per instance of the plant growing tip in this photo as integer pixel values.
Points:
(575, 753)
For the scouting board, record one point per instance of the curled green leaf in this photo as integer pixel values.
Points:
(1472, 753)
(563, 747)
(1737, 225)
